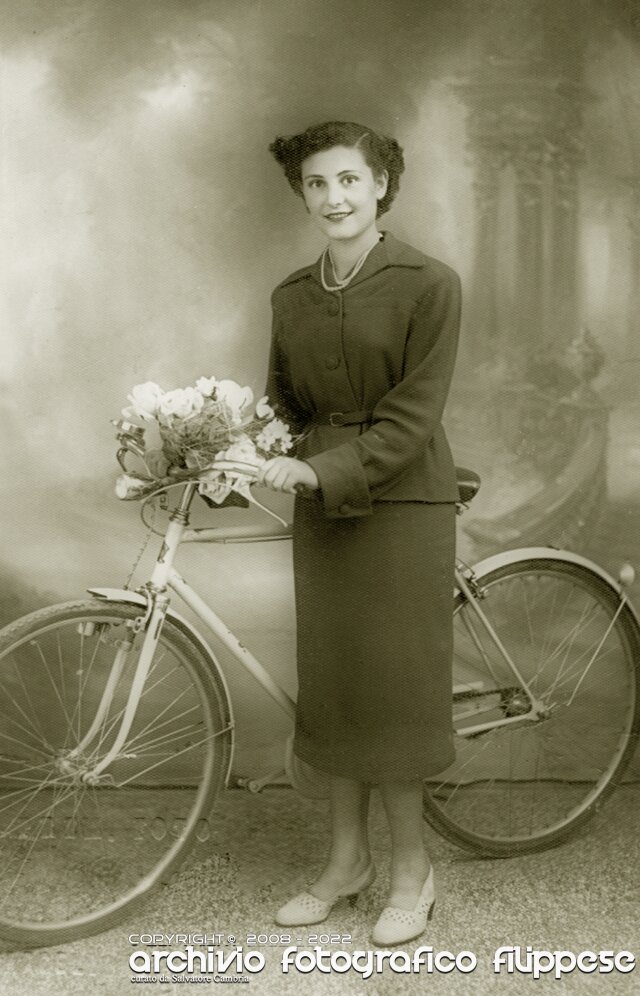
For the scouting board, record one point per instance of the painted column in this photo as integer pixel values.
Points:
(488, 161)
(632, 183)
(565, 156)
(524, 126)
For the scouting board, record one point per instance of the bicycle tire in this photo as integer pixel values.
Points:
(74, 857)
(526, 787)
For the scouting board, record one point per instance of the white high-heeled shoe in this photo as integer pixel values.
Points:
(396, 926)
(306, 908)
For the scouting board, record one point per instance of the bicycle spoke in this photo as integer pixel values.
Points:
(566, 645)
(21, 743)
(31, 721)
(173, 736)
(53, 684)
(185, 750)
(26, 857)
(84, 673)
(574, 678)
(14, 827)
(154, 727)
(114, 720)
(166, 741)
(554, 612)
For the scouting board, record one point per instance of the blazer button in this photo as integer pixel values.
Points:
(333, 309)
(332, 362)
(344, 509)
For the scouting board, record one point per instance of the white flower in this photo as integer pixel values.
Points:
(145, 400)
(275, 435)
(234, 398)
(242, 452)
(206, 385)
(217, 483)
(263, 409)
(181, 402)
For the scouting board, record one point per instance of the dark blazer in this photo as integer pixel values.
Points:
(386, 344)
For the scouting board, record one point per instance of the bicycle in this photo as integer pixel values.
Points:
(114, 712)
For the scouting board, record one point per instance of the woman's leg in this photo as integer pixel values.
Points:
(349, 854)
(409, 862)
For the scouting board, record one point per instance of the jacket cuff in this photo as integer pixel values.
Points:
(344, 486)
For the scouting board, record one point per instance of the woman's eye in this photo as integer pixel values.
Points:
(350, 179)
(313, 184)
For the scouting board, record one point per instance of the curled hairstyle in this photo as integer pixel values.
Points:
(380, 153)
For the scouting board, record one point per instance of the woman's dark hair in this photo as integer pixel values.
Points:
(380, 153)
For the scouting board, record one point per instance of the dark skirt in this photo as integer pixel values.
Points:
(375, 639)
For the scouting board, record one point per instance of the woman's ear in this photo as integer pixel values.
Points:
(382, 182)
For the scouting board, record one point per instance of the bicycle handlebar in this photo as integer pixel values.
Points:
(134, 487)
(238, 475)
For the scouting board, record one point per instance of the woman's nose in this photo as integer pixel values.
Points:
(335, 194)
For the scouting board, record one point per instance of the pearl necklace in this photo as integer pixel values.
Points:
(341, 284)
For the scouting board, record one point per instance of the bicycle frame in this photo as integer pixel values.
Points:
(154, 601)
(117, 728)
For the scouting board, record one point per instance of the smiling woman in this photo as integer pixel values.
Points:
(342, 193)
(363, 349)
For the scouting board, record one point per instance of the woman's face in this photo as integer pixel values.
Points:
(341, 192)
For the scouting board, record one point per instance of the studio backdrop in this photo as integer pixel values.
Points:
(144, 225)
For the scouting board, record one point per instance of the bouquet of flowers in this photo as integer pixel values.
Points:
(202, 429)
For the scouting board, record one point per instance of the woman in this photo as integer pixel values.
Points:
(362, 355)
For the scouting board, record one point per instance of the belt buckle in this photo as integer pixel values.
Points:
(336, 419)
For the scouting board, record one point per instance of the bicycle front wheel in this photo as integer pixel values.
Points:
(74, 855)
(529, 783)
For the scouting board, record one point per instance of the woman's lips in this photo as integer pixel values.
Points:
(338, 215)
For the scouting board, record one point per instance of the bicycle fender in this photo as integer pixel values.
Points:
(550, 553)
(135, 598)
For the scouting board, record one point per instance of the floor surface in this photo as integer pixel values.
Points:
(581, 896)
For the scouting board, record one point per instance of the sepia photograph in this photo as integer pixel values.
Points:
(320, 616)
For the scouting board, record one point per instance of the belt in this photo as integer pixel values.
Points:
(341, 418)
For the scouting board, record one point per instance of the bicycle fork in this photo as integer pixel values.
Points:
(156, 616)
(151, 624)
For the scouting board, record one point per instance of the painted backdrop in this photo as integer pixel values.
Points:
(144, 225)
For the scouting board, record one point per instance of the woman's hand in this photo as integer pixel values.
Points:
(288, 474)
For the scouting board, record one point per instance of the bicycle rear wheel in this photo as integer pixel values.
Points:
(527, 786)
(75, 856)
